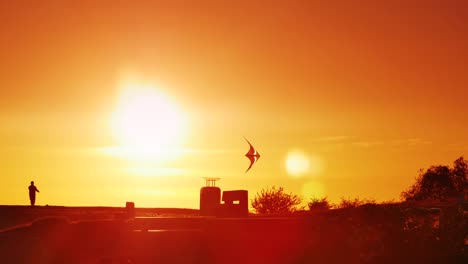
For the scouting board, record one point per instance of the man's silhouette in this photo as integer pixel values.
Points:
(32, 193)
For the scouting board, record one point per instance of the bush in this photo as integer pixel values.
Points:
(275, 201)
(353, 203)
(319, 204)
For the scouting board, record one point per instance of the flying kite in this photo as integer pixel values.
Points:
(253, 155)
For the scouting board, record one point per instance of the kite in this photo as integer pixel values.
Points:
(253, 155)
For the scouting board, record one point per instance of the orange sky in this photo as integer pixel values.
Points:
(369, 92)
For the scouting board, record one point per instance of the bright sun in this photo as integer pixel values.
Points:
(147, 123)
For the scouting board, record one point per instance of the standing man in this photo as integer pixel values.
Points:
(32, 193)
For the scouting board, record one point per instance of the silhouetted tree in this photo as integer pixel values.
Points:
(440, 182)
(275, 201)
(460, 175)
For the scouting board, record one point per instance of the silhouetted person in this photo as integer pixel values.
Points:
(32, 193)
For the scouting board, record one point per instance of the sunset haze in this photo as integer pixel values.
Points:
(340, 98)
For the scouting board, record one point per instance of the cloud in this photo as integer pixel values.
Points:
(456, 146)
(338, 142)
(332, 139)
(417, 141)
(367, 144)
(150, 171)
(397, 142)
(410, 142)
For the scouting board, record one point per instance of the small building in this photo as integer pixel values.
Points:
(235, 202)
(210, 197)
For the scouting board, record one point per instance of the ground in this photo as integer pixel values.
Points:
(367, 234)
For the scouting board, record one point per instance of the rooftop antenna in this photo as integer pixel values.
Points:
(211, 182)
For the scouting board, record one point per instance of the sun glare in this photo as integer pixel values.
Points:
(147, 123)
(299, 164)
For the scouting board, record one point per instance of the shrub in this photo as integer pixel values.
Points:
(275, 201)
(353, 203)
(319, 204)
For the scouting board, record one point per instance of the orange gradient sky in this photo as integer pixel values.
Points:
(344, 99)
